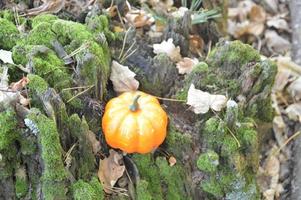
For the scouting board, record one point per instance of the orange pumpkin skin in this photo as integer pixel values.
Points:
(139, 131)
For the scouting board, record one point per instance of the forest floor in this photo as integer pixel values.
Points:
(138, 32)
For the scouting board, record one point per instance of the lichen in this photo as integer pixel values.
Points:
(8, 34)
(208, 161)
(92, 190)
(54, 174)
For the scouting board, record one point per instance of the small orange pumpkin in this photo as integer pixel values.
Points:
(134, 122)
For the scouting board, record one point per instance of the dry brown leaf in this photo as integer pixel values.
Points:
(169, 48)
(186, 65)
(276, 43)
(201, 102)
(123, 78)
(257, 14)
(272, 167)
(294, 111)
(94, 142)
(110, 170)
(295, 89)
(196, 44)
(278, 23)
(172, 161)
(20, 84)
(139, 18)
(48, 6)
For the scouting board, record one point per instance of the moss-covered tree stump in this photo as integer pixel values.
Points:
(45, 152)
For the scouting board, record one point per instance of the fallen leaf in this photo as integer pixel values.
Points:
(20, 84)
(186, 65)
(6, 56)
(139, 18)
(110, 170)
(272, 167)
(24, 101)
(276, 43)
(271, 5)
(169, 48)
(201, 101)
(196, 44)
(257, 14)
(94, 142)
(179, 13)
(278, 23)
(295, 89)
(123, 78)
(48, 6)
(294, 111)
(172, 161)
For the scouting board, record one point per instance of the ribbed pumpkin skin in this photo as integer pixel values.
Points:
(140, 131)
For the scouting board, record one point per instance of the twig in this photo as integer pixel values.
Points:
(232, 134)
(286, 142)
(80, 93)
(74, 88)
(123, 44)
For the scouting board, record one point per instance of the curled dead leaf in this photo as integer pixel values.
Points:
(123, 78)
(169, 48)
(276, 43)
(94, 142)
(139, 18)
(196, 44)
(110, 170)
(48, 6)
(186, 65)
(294, 111)
(172, 161)
(201, 102)
(295, 89)
(6, 56)
(20, 84)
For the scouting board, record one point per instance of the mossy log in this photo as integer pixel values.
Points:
(45, 152)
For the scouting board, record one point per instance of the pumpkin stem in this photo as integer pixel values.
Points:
(135, 106)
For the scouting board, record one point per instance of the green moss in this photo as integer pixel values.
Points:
(212, 187)
(173, 178)
(229, 146)
(37, 84)
(8, 34)
(28, 144)
(7, 14)
(54, 174)
(163, 180)
(233, 54)
(43, 18)
(149, 172)
(93, 61)
(177, 142)
(67, 31)
(41, 34)
(80, 129)
(8, 128)
(82, 190)
(142, 191)
(208, 161)
(21, 184)
(100, 24)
